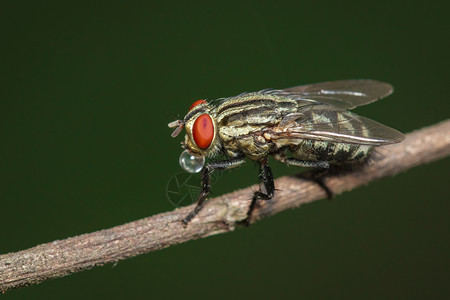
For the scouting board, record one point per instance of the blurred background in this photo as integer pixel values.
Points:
(87, 90)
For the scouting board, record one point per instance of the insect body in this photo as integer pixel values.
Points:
(307, 126)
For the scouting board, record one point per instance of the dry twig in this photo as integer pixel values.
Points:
(220, 215)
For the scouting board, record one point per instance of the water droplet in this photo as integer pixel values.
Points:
(191, 163)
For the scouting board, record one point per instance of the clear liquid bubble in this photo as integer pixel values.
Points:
(191, 163)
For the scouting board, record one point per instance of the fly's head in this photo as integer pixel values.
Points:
(201, 136)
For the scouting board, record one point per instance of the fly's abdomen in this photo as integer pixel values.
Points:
(335, 153)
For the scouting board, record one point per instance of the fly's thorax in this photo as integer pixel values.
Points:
(201, 137)
(242, 120)
(254, 109)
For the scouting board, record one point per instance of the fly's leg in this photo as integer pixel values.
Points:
(307, 164)
(266, 178)
(320, 169)
(317, 176)
(206, 187)
(318, 164)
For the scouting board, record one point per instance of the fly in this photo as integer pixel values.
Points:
(306, 126)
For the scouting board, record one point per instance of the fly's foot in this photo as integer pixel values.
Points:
(317, 176)
(245, 222)
(258, 195)
(319, 181)
(187, 219)
(200, 203)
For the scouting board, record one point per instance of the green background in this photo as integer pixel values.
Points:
(87, 90)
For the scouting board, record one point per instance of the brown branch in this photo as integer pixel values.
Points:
(220, 215)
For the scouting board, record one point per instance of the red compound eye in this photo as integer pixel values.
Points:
(203, 131)
(201, 101)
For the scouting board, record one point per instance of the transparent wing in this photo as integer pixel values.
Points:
(343, 93)
(326, 123)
